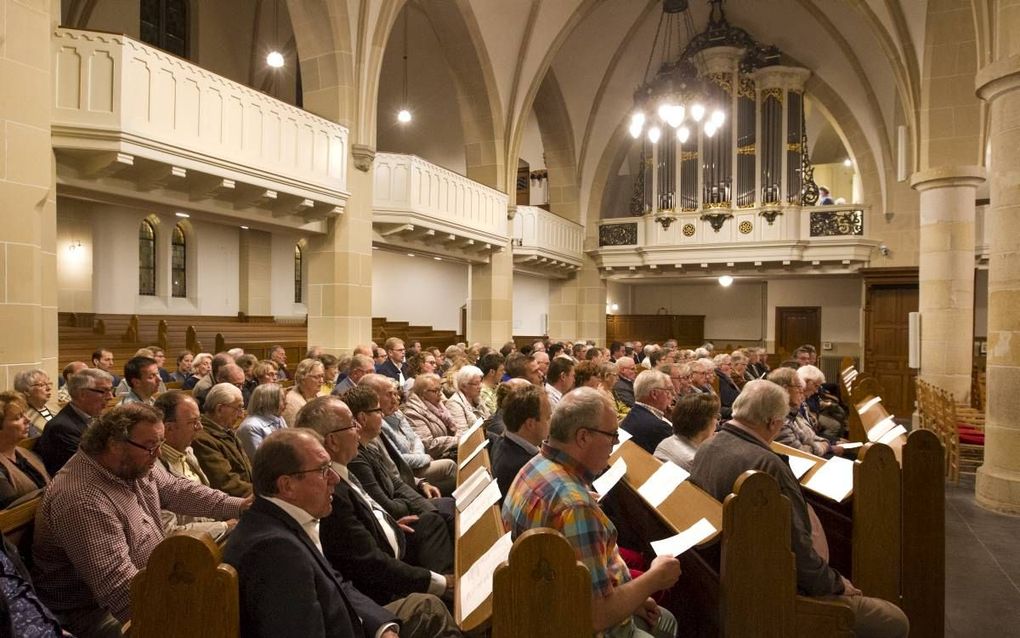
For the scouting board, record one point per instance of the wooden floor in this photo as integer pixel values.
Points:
(982, 568)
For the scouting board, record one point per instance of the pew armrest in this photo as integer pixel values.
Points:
(819, 617)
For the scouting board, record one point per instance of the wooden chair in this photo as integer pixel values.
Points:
(185, 591)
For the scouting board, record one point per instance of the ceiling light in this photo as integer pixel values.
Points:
(410, 254)
(275, 59)
(847, 163)
(404, 116)
(438, 258)
(725, 281)
(244, 228)
(182, 215)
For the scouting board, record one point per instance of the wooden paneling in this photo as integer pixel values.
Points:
(797, 326)
(688, 330)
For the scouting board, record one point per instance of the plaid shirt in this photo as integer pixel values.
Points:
(553, 490)
(94, 531)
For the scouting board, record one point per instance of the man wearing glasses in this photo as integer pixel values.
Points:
(647, 420)
(89, 390)
(395, 364)
(554, 490)
(100, 519)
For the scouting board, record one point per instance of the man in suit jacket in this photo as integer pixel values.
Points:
(647, 421)
(287, 587)
(358, 537)
(360, 366)
(623, 390)
(89, 390)
(395, 366)
(526, 414)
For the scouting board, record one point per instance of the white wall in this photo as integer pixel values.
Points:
(218, 254)
(74, 258)
(282, 273)
(531, 303)
(620, 294)
(731, 314)
(420, 290)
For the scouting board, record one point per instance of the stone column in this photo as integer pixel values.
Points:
(490, 300)
(340, 268)
(256, 272)
(998, 480)
(946, 275)
(28, 219)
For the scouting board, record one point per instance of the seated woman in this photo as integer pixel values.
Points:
(728, 390)
(430, 419)
(21, 471)
(466, 404)
(586, 373)
(694, 418)
(36, 388)
(183, 371)
(608, 377)
(264, 410)
(417, 364)
(308, 377)
(200, 366)
(330, 364)
(738, 371)
(796, 431)
(265, 371)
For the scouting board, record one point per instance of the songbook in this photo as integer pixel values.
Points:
(881, 428)
(800, 465)
(476, 452)
(850, 446)
(471, 487)
(834, 479)
(893, 434)
(473, 513)
(868, 404)
(610, 478)
(680, 543)
(476, 583)
(471, 430)
(661, 484)
(624, 437)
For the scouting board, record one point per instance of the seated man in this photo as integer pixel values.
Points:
(647, 420)
(796, 431)
(63, 398)
(560, 379)
(142, 376)
(100, 520)
(287, 587)
(743, 444)
(626, 370)
(216, 445)
(526, 413)
(554, 490)
(358, 537)
(204, 384)
(89, 391)
(360, 366)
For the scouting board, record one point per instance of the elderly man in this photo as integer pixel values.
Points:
(395, 364)
(89, 390)
(743, 444)
(358, 537)
(626, 370)
(361, 365)
(701, 374)
(526, 412)
(278, 355)
(103, 359)
(142, 376)
(36, 387)
(216, 375)
(797, 431)
(542, 362)
(63, 396)
(559, 380)
(554, 490)
(216, 445)
(100, 520)
(647, 421)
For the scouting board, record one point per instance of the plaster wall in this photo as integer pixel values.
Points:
(531, 304)
(419, 289)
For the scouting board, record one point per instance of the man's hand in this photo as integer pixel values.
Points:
(849, 589)
(405, 523)
(247, 502)
(231, 524)
(430, 490)
(836, 450)
(664, 570)
(649, 611)
(450, 587)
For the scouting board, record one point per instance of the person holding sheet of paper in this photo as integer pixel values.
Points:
(796, 431)
(554, 490)
(742, 444)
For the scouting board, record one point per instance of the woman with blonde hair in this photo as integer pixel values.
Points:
(21, 471)
(308, 378)
(201, 365)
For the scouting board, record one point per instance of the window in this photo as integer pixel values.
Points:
(298, 280)
(164, 24)
(178, 263)
(146, 258)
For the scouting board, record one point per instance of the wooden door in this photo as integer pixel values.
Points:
(886, 343)
(795, 327)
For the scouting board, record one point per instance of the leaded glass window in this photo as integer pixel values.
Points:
(298, 270)
(164, 24)
(146, 258)
(178, 263)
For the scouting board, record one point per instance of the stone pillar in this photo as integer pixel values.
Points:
(490, 300)
(340, 268)
(28, 219)
(998, 480)
(577, 305)
(946, 275)
(255, 272)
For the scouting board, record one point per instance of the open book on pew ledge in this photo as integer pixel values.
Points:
(624, 437)
(476, 583)
(479, 505)
(471, 487)
(886, 431)
(680, 543)
(834, 479)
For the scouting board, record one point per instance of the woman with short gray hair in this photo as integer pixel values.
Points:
(466, 405)
(263, 418)
(36, 387)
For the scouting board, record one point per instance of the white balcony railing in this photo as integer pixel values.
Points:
(113, 93)
(417, 199)
(545, 240)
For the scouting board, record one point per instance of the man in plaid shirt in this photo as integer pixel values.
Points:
(554, 490)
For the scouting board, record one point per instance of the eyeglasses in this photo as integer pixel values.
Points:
(152, 451)
(343, 429)
(196, 424)
(103, 391)
(44, 384)
(613, 436)
(323, 471)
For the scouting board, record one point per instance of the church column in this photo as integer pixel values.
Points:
(998, 480)
(28, 220)
(577, 305)
(340, 268)
(490, 300)
(946, 275)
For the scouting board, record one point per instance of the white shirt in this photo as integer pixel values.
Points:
(554, 395)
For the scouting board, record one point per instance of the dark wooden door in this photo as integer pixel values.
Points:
(886, 343)
(797, 326)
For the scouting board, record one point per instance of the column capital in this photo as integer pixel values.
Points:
(947, 177)
(997, 78)
(363, 155)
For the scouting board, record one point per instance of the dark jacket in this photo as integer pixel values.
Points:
(728, 392)
(647, 429)
(389, 369)
(624, 391)
(396, 496)
(222, 459)
(288, 588)
(59, 441)
(508, 457)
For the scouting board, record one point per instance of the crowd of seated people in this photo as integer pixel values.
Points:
(334, 476)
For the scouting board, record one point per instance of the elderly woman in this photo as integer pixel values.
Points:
(441, 473)
(694, 418)
(466, 404)
(265, 371)
(430, 418)
(797, 431)
(21, 471)
(216, 446)
(264, 409)
(821, 409)
(738, 370)
(608, 377)
(728, 390)
(36, 387)
(201, 364)
(308, 377)
(183, 371)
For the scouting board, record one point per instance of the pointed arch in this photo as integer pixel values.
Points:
(557, 135)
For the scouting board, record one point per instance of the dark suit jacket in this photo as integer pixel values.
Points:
(396, 496)
(508, 457)
(288, 588)
(647, 429)
(624, 391)
(389, 369)
(355, 543)
(59, 441)
(728, 392)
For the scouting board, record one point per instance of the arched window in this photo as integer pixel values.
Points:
(164, 24)
(178, 263)
(146, 258)
(298, 269)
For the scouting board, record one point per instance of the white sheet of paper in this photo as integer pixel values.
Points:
(476, 583)
(624, 437)
(867, 404)
(878, 430)
(479, 506)
(477, 451)
(800, 465)
(610, 478)
(850, 446)
(676, 545)
(893, 434)
(835, 479)
(471, 488)
(471, 430)
(661, 484)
